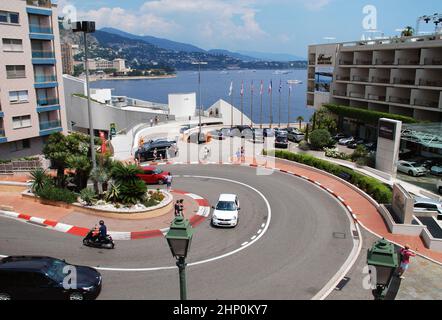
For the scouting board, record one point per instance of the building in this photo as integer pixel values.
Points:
(31, 87)
(102, 64)
(396, 75)
(67, 58)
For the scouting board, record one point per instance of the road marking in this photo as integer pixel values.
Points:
(263, 225)
(242, 247)
(259, 231)
(253, 238)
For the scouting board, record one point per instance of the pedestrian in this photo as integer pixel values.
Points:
(243, 151)
(238, 155)
(151, 122)
(405, 260)
(156, 120)
(155, 154)
(177, 208)
(169, 181)
(181, 208)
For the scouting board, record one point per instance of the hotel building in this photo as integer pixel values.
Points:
(397, 75)
(31, 86)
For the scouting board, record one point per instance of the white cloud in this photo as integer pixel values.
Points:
(315, 4)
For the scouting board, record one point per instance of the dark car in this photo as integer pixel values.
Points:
(355, 143)
(37, 278)
(269, 132)
(371, 146)
(146, 152)
(339, 136)
(281, 141)
(295, 135)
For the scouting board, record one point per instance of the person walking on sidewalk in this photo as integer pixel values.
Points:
(238, 155)
(151, 122)
(177, 208)
(405, 260)
(181, 208)
(169, 181)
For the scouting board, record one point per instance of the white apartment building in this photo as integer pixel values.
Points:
(102, 64)
(396, 75)
(31, 86)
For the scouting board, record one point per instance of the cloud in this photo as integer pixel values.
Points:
(316, 4)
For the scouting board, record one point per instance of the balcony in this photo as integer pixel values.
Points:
(43, 54)
(399, 100)
(44, 78)
(47, 102)
(359, 79)
(345, 62)
(430, 83)
(39, 3)
(403, 81)
(432, 61)
(363, 62)
(407, 61)
(426, 103)
(380, 80)
(339, 93)
(358, 95)
(376, 97)
(40, 29)
(47, 125)
(384, 62)
(342, 78)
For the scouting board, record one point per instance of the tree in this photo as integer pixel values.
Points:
(320, 138)
(300, 119)
(407, 32)
(131, 188)
(325, 120)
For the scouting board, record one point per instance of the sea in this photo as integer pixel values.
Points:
(215, 85)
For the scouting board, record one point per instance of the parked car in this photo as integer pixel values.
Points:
(371, 146)
(346, 141)
(355, 143)
(339, 136)
(439, 186)
(411, 168)
(295, 135)
(153, 175)
(36, 278)
(257, 135)
(269, 132)
(281, 141)
(437, 170)
(225, 212)
(425, 205)
(196, 137)
(146, 152)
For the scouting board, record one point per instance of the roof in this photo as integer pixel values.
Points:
(227, 197)
(427, 134)
(24, 263)
(426, 200)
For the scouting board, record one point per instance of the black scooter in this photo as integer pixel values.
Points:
(97, 242)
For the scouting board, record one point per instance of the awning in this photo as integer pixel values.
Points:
(428, 135)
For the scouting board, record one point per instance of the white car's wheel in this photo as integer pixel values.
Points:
(4, 296)
(76, 296)
(410, 173)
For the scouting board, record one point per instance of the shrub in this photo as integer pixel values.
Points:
(320, 138)
(131, 188)
(303, 145)
(336, 154)
(39, 179)
(113, 193)
(380, 192)
(88, 196)
(53, 193)
(360, 152)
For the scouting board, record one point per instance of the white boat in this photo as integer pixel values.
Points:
(282, 72)
(294, 81)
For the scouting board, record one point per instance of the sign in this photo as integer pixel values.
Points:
(113, 130)
(387, 130)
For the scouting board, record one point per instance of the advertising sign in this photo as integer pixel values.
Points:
(387, 130)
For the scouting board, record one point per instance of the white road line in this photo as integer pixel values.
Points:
(259, 231)
(245, 243)
(340, 199)
(263, 225)
(253, 238)
(243, 246)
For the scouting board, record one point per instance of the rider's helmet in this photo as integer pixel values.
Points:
(101, 222)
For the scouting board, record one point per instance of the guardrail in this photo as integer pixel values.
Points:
(19, 165)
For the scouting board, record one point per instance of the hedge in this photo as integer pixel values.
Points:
(53, 193)
(367, 116)
(376, 189)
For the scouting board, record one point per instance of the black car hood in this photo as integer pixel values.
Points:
(87, 277)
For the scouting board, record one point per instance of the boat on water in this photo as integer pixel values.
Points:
(224, 72)
(282, 72)
(294, 81)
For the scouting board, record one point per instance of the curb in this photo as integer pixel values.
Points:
(198, 218)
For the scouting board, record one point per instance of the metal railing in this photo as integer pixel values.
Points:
(342, 78)
(39, 3)
(45, 78)
(432, 61)
(20, 165)
(403, 81)
(359, 78)
(356, 95)
(384, 62)
(43, 54)
(380, 80)
(363, 62)
(15, 75)
(34, 28)
(407, 62)
(400, 100)
(376, 97)
(426, 103)
(339, 93)
(47, 102)
(430, 83)
(345, 62)
(45, 125)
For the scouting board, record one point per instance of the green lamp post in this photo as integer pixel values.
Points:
(179, 238)
(384, 258)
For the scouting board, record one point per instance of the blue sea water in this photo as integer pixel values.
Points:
(215, 85)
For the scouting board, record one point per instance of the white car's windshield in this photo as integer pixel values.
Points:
(226, 206)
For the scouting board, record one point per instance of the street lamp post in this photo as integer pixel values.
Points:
(87, 27)
(384, 258)
(179, 238)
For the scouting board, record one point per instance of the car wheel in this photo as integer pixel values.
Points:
(4, 296)
(160, 181)
(76, 296)
(410, 173)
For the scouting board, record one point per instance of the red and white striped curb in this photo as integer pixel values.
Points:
(198, 218)
(344, 203)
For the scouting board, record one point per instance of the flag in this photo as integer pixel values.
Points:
(242, 88)
(280, 86)
(261, 91)
(290, 89)
(251, 87)
(270, 87)
(231, 89)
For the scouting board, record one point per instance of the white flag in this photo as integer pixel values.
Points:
(231, 89)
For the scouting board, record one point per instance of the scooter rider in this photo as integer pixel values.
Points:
(103, 231)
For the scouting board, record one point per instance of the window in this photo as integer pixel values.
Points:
(15, 72)
(15, 45)
(21, 122)
(8, 17)
(20, 145)
(18, 96)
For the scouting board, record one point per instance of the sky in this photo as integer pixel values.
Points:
(276, 26)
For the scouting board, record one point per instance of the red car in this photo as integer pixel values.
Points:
(153, 175)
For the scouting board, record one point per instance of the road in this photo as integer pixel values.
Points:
(298, 246)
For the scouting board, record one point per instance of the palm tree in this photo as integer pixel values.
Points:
(407, 32)
(39, 179)
(300, 119)
(99, 176)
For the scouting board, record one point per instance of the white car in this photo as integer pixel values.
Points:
(425, 205)
(346, 141)
(225, 213)
(439, 186)
(411, 168)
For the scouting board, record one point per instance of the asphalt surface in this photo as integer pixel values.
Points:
(307, 241)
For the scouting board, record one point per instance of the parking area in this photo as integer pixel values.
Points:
(427, 182)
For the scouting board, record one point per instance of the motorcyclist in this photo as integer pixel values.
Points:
(103, 231)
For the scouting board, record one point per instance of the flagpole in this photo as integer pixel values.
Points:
(251, 106)
(242, 105)
(271, 110)
(279, 111)
(288, 105)
(260, 113)
(231, 104)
